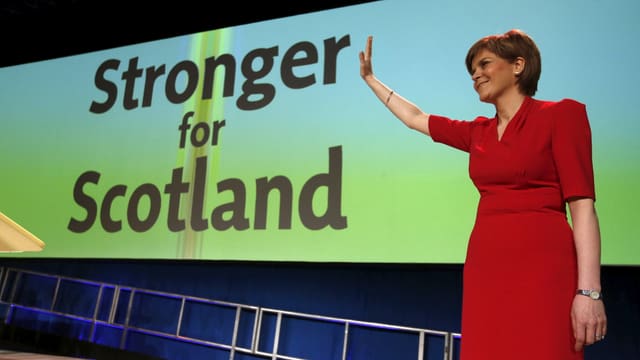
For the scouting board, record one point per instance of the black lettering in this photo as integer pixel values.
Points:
(289, 61)
(211, 64)
(85, 201)
(237, 207)
(255, 66)
(263, 188)
(204, 127)
(249, 87)
(217, 125)
(331, 49)
(175, 189)
(183, 129)
(151, 75)
(133, 72)
(198, 223)
(107, 86)
(108, 224)
(333, 181)
(135, 222)
(192, 82)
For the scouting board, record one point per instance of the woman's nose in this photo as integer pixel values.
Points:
(475, 74)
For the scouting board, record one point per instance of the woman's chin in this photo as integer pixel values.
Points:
(485, 98)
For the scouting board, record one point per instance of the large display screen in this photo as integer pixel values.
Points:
(261, 142)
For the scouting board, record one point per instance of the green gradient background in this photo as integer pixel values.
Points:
(406, 198)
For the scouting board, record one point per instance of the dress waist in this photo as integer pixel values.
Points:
(521, 201)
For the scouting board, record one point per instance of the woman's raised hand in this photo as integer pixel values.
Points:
(366, 69)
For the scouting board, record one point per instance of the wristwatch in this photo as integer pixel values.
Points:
(593, 294)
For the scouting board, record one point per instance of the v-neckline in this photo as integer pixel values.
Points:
(500, 137)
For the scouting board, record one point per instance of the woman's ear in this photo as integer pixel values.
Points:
(518, 65)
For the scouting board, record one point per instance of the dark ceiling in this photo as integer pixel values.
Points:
(35, 30)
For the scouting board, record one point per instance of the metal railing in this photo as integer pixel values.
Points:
(248, 329)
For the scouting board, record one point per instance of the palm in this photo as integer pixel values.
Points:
(365, 59)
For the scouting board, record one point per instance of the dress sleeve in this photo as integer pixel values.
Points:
(572, 149)
(455, 133)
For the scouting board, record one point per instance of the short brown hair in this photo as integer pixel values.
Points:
(509, 46)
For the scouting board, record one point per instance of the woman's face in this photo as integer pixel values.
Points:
(493, 76)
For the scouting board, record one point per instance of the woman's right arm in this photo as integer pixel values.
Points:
(403, 109)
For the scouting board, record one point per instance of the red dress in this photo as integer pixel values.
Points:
(520, 273)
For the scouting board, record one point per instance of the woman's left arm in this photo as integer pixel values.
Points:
(588, 316)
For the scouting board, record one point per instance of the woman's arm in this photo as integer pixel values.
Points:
(403, 109)
(588, 316)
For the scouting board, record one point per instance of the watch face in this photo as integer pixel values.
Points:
(595, 295)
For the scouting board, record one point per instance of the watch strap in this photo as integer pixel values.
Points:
(593, 294)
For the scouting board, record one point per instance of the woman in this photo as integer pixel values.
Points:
(531, 280)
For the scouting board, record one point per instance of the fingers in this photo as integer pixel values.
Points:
(601, 330)
(580, 335)
(588, 334)
(366, 54)
(600, 327)
(585, 336)
(589, 321)
(365, 59)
